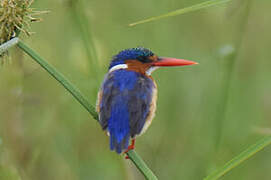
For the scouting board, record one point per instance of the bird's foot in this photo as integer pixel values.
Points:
(130, 147)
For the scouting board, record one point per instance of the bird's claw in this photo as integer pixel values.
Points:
(130, 147)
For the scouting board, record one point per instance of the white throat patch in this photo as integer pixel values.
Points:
(151, 69)
(117, 67)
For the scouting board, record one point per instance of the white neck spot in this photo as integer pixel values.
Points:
(117, 67)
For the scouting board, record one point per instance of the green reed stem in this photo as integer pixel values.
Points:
(133, 156)
(141, 165)
(60, 78)
(240, 158)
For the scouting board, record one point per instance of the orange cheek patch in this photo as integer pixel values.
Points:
(135, 65)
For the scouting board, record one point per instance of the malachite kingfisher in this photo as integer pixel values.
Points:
(127, 98)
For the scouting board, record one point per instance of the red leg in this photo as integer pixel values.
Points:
(132, 146)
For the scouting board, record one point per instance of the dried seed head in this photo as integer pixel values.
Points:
(15, 16)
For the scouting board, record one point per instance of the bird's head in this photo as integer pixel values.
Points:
(143, 60)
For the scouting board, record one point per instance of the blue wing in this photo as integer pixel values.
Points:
(124, 106)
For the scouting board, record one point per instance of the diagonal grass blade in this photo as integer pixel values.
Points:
(252, 150)
(182, 11)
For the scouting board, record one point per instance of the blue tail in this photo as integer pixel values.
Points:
(118, 126)
(119, 146)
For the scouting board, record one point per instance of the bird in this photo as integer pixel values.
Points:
(126, 102)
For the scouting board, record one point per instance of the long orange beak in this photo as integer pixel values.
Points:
(166, 61)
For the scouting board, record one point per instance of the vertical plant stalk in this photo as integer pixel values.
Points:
(82, 23)
(133, 156)
(252, 150)
(231, 58)
(259, 145)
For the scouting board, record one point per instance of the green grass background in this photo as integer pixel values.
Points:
(206, 114)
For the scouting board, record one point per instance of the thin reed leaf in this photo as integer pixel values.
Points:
(252, 150)
(182, 11)
(133, 156)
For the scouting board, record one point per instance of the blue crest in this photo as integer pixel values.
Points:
(138, 53)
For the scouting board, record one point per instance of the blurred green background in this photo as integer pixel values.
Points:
(206, 114)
